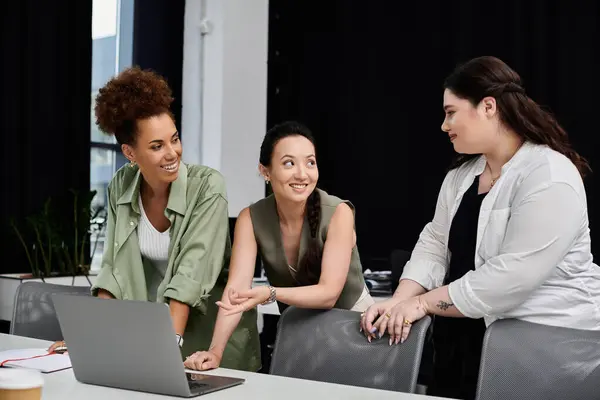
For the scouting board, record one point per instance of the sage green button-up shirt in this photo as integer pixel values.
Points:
(199, 253)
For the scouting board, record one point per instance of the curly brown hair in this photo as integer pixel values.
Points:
(132, 95)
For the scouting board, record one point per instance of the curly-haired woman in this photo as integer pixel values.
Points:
(168, 230)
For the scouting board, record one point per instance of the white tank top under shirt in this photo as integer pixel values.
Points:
(154, 246)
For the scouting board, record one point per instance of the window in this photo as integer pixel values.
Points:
(112, 50)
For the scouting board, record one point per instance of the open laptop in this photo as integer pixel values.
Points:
(128, 345)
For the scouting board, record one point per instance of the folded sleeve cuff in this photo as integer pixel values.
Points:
(188, 291)
(106, 280)
(428, 274)
(465, 300)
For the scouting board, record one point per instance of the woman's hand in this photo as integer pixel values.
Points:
(202, 361)
(245, 300)
(395, 316)
(105, 294)
(56, 345)
(375, 316)
(402, 316)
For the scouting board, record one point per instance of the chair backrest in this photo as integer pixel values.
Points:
(326, 345)
(523, 360)
(33, 313)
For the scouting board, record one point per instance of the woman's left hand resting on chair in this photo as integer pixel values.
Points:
(397, 321)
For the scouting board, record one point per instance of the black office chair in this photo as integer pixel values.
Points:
(33, 313)
(326, 345)
(526, 361)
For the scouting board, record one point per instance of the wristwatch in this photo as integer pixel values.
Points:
(179, 340)
(272, 296)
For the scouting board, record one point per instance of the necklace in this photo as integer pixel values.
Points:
(494, 181)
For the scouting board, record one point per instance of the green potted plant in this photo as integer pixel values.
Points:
(57, 248)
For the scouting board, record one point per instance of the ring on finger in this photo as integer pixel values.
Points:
(407, 322)
(387, 314)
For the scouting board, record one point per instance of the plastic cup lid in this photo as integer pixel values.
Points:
(16, 379)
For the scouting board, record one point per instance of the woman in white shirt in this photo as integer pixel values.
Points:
(510, 236)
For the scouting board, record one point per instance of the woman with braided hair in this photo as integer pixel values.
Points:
(509, 237)
(304, 236)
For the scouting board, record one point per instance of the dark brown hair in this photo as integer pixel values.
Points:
(132, 95)
(489, 76)
(309, 267)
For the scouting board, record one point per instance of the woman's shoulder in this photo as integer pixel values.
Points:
(208, 179)
(554, 164)
(330, 203)
(329, 200)
(262, 208)
(543, 167)
(122, 179)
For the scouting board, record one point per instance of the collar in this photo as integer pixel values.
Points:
(479, 166)
(177, 194)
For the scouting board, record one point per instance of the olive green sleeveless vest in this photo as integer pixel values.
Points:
(270, 247)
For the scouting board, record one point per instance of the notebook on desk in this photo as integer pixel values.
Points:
(129, 345)
(37, 359)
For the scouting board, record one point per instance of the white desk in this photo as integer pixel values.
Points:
(62, 385)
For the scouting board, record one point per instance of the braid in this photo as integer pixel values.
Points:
(313, 211)
(498, 89)
(309, 268)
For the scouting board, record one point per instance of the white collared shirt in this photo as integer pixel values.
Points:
(532, 258)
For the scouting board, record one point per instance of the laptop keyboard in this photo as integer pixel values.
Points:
(194, 385)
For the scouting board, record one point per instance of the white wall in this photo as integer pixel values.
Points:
(224, 104)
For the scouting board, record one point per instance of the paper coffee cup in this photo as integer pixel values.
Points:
(20, 384)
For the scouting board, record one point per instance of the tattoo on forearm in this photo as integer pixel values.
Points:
(442, 305)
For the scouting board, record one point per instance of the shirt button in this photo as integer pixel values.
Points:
(116, 244)
(131, 223)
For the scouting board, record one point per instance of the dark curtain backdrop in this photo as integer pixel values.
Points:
(158, 43)
(367, 78)
(45, 125)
